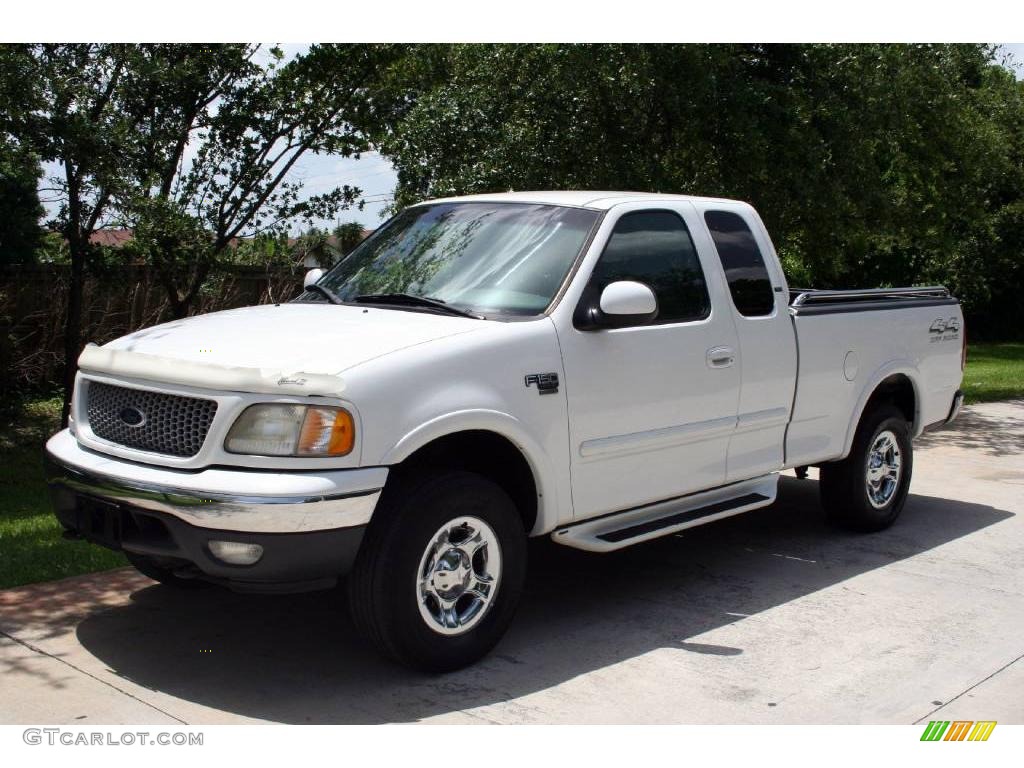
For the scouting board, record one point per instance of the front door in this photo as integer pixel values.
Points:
(652, 406)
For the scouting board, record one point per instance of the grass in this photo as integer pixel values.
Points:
(32, 550)
(31, 547)
(994, 372)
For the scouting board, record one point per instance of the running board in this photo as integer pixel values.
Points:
(631, 526)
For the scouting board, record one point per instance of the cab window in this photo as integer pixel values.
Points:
(655, 248)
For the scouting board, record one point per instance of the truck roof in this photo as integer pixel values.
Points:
(580, 199)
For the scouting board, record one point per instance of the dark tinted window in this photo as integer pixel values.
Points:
(655, 248)
(743, 263)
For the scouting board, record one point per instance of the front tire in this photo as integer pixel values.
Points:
(866, 491)
(440, 572)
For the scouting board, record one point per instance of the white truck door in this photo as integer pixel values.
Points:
(767, 343)
(651, 406)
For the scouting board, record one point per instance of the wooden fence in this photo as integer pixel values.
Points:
(120, 300)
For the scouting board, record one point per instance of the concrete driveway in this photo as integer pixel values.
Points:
(766, 618)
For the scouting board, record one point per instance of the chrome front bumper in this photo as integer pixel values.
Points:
(255, 501)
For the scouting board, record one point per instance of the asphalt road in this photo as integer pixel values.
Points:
(770, 617)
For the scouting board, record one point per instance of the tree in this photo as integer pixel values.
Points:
(245, 135)
(348, 236)
(63, 103)
(871, 164)
(191, 145)
(316, 244)
(20, 209)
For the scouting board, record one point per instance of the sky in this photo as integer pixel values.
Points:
(371, 173)
(375, 175)
(1017, 51)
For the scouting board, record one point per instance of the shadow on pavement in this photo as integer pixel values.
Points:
(295, 659)
(991, 435)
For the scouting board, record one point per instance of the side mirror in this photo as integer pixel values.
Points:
(622, 303)
(311, 277)
(628, 299)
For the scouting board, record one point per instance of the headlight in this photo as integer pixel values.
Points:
(284, 429)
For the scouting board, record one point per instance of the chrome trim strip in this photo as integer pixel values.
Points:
(809, 296)
(246, 514)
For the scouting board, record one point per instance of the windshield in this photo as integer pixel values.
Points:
(486, 258)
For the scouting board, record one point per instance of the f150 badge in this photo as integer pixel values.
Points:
(945, 330)
(547, 383)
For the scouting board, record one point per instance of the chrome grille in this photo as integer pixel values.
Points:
(170, 424)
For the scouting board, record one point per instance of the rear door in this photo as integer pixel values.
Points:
(652, 406)
(767, 343)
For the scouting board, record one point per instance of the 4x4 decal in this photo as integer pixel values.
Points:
(942, 325)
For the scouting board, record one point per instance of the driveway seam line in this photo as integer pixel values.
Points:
(968, 690)
(40, 651)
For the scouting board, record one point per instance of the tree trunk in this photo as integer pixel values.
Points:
(179, 308)
(78, 247)
(73, 324)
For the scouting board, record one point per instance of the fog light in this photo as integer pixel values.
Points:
(235, 552)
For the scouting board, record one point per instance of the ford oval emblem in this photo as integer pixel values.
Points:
(132, 417)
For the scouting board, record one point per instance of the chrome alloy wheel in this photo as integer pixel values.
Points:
(459, 575)
(884, 469)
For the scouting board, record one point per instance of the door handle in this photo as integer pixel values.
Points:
(721, 357)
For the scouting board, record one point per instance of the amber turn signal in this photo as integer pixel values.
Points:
(326, 432)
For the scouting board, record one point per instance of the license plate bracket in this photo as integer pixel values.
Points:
(100, 522)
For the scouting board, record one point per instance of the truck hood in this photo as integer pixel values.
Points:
(275, 340)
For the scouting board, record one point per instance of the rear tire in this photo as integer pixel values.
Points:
(866, 491)
(440, 571)
(151, 568)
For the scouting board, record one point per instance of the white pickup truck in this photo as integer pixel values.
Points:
(599, 367)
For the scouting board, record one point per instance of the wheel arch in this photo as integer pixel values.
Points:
(898, 383)
(497, 446)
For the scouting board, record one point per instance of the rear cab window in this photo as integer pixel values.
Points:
(743, 263)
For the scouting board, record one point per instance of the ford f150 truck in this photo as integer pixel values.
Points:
(599, 367)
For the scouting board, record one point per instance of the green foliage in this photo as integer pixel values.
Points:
(66, 103)
(871, 164)
(189, 144)
(20, 209)
(269, 251)
(317, 245)
(348, 236)
(174, 242)
(246, 126)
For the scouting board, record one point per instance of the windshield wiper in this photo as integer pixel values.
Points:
(324, 290)
(413, 300)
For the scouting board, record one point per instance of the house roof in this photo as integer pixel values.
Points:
(114, 238)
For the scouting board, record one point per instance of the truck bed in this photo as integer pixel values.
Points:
(851, 341)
